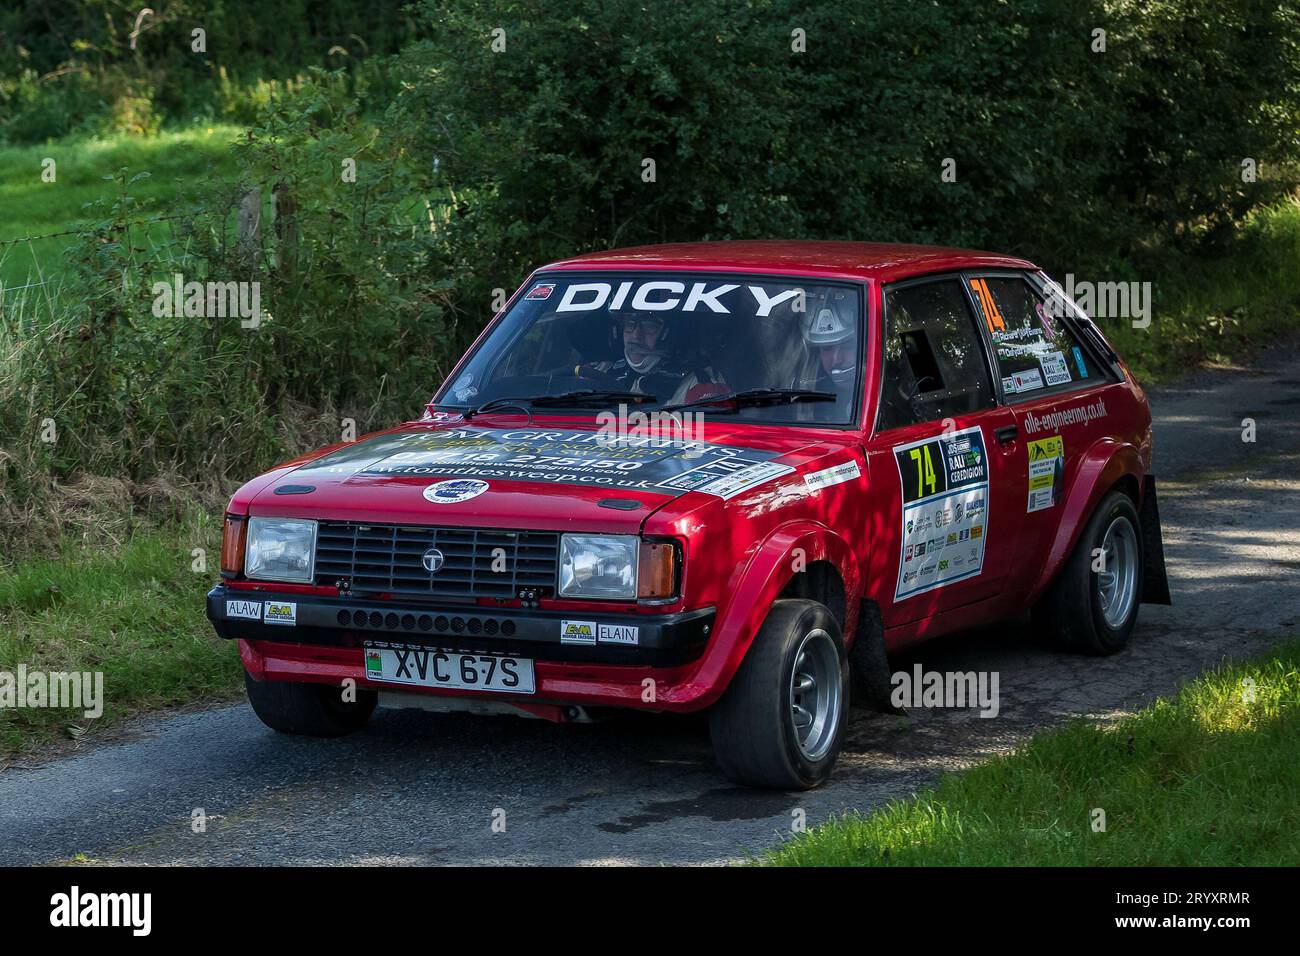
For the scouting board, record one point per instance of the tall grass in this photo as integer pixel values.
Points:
(132, 613)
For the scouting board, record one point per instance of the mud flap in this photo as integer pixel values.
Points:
(868, 665)
(1155, 582)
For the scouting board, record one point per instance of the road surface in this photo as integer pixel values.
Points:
(422, 788)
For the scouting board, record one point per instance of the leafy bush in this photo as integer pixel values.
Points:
(352, 295)
(763, 118)
(1062, 153)
(81, 65)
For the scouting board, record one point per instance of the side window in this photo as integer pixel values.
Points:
(1033, 347)
(934, 361)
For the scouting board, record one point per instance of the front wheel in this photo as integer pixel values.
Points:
(1092, 605)
(315, 710)
(781, 723)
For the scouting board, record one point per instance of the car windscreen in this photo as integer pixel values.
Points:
(680, 337)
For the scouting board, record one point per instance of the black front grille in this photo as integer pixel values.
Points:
(477, 562)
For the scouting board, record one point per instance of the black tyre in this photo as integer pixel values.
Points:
(1092, 606)
(780, 724)
(869, 664)
(315, 710)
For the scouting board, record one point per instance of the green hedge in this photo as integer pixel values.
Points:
(71, 65)
(1062, 153)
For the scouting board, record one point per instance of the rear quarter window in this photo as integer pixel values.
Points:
(1033, 347)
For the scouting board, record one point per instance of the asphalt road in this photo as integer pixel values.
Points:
(425, 788)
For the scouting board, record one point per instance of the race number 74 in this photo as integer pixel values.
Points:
(924, 470)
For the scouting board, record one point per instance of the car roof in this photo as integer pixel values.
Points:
(883, 261)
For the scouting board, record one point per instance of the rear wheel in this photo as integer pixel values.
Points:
(780, 725)
(315, 710)
(1092, 605)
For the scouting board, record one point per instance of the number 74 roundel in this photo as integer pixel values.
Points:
(945, 488)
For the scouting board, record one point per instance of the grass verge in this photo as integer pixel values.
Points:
(1206, 778)
(177, 161)
(134, 613)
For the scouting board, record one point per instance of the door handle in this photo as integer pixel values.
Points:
(1006, 434)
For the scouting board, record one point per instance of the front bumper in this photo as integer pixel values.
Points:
(653, 640)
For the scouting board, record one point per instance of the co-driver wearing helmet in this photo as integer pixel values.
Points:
(830, 335)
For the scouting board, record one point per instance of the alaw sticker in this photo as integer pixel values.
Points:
(249, 610)
(455, 490)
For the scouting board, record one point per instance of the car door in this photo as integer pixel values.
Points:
(945, 455)
(1048, 374)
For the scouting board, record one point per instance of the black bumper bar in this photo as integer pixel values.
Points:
(659, 640)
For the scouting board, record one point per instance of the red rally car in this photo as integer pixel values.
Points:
(723, 476)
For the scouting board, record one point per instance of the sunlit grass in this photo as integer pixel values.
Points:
(134, 612)
(1208, 778)
(178, 162)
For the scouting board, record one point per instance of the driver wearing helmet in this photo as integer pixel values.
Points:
(830, 337)
(650, 363)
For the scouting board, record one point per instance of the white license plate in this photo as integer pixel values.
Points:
(425, 667)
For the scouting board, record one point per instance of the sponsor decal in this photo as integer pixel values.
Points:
(619, 634)
(1027, 381)
(1078, 361)
(577, 632)
(1046, 473)
(835, 475)
(1078, 414)
(1044, 316)
(671, 296)
(249, 610)
(726, 477)
(987, 307)
(946, 476)
(456, 490)
(542, 290)
(1055, 369)
(280, 612)
(550, 456)
(1009, 385)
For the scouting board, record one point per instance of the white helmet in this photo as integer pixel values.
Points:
(830, 325)
(827, 326)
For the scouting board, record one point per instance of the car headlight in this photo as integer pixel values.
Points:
(599, 566)
(281, 549)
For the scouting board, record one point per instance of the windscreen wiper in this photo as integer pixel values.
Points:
(759, 396)
(578, 399)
